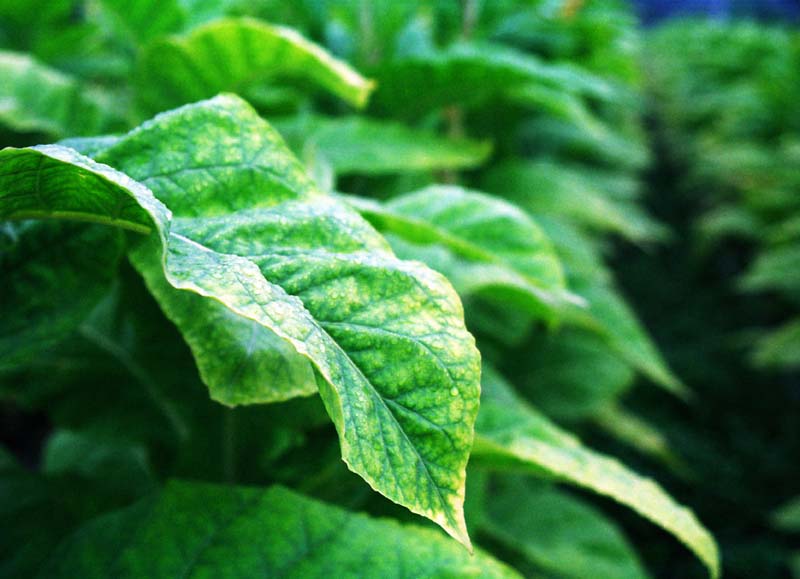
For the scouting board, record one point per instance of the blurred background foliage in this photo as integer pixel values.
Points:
(660, 165)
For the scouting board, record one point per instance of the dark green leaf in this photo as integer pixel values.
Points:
(512, 432)
(212, 531)
(233, 54)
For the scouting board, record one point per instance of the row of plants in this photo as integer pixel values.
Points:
(368, 246)
(726, 111)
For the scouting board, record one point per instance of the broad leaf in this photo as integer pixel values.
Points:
(571, 374)
(511, 431)
(471, 75)
(557, 532)
(204, 530)
(50, 283)
(371, 147)
(67, 496)
(615, 322)
(35, 97)
(547, 188)
(395, 366)
(233, 55)
(142, 20)
(482, 244)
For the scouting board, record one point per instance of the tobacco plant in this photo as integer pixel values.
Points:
(272, 296)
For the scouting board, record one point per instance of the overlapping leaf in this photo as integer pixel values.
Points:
(471, 75)
(319, 289)
(610, 317)
(571, 374)
(37, 98)
(233, 55)
(512, 432)
(557, 532)
(484, 245)
(371, 147)
(50, 284)
(205, 530)
(547, 188)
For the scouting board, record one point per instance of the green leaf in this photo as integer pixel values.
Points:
(50, 283)
(511, 431)
(395, 366)
(572, 373)
(780, 347)
(371, 147)
(204, 530)
(639, 434)
(38, 510)
(615, 322)
(234, 54)
(776, 269)
(583, 197)
(484, 245)
(124, 469)
(557, 532)
(35, 97)
(788, 516)
(144, 20)
(472, 74)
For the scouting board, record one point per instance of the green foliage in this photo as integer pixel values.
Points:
(160, 274)
(730, 101)
(239, 531)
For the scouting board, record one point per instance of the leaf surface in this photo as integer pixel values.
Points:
(371, 147)
(236, 53)
(511, 431)
(470, 75)
(548, 188)
(484, 245)
(558, 532)
(395, 366)
(36, 97)
(50, 283)
(202, 530)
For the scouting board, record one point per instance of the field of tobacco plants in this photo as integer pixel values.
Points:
(348, 288)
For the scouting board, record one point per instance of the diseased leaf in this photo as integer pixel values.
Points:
(558, 532)
(396, 368)
(511, 431)
(35, 97)
(370, 147)
(234, 54)
(484, 245)
(205, 530)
